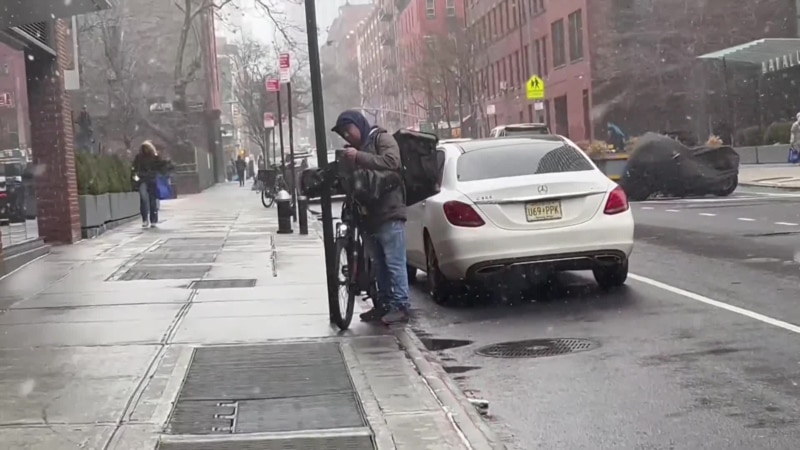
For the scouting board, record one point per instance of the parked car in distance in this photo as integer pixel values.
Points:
(454, 140)
(518, 207)
(519, 130)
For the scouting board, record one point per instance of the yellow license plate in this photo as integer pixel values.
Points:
(535, 212)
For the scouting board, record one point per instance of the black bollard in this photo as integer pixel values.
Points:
(284, 201)
(302, 213)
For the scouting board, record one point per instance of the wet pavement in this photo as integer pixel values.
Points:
(96, 340)
(781, 176)
(698, 351)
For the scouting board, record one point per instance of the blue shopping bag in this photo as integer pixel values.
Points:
(163, 188)
(794, 155)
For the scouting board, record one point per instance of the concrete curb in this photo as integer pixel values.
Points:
(770, 186)
(469, 422)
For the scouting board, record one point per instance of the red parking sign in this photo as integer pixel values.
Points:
(285, 66)
(273, 85)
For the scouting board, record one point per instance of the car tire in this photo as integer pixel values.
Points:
(728, 187)
(611, 276)
(439, 287)
(412, 274)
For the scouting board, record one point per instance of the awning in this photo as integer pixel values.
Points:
(17, 13)
(771, 54)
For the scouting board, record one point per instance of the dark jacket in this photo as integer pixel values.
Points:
(149, 167)
(241, 165)
(381, 153)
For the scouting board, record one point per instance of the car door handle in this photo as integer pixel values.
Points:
(423, 202)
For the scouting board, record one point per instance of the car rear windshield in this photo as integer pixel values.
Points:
(525, 131)
(515, 160)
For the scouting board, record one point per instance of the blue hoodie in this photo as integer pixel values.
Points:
(353, 117)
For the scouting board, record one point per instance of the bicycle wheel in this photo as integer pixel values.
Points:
(267, 199)
(346, 272)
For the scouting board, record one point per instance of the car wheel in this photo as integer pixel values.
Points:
(611, 276)
(412, 274)
(439, 287)
(728, 187)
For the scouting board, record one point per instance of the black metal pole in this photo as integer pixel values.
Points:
(266, 146)
(279, 124)
(291, 151)
(274, 145)
(322, 153)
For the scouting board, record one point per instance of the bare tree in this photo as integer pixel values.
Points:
(253, 65)
(120, 58)
(438, 78)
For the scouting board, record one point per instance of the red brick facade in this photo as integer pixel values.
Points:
(52, 143)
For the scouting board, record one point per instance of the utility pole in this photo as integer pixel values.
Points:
(322, 154)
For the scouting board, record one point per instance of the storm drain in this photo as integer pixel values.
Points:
(222, 284)
(305, 443)
(164, 272)
(267, 388)
(536, 348)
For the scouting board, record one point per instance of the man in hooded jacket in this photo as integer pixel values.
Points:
(375, 149)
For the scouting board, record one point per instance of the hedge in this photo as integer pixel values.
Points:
(102, 174)
(778, 133)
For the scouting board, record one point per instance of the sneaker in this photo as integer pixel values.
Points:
(396, 317)
(153, 225)
(373, 315)
(146, 224)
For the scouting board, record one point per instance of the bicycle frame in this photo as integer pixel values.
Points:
(361, 271)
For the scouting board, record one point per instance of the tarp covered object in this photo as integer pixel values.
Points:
(662, 165)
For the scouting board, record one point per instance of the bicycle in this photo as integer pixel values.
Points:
(270, 190)
(353, 265)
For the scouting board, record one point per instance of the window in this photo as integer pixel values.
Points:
(430, 8)
(587, 120)
(575, 35)
(559, 49)
(534, 157)
(514, 14)
(451, 8)
(537, 47)
(519, 74)
(545, 65)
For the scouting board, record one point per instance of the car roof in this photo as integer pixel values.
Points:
(522, 125)
(489, 143)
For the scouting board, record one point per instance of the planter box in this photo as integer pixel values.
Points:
(90, 217)
(124, 205)
(104, 207)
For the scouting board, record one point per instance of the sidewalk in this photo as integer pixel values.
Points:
(781, 176)
(210, 332)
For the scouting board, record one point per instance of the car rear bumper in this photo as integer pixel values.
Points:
(603, 240)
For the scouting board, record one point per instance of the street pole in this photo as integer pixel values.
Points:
(274, 144)
(266, 146)
(280, 132)
(291, 152)
(322, 154)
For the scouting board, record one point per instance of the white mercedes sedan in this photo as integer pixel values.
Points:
(518, 207)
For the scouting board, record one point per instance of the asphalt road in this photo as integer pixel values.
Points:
(698, 351)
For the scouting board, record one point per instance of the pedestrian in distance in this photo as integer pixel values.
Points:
(241, 166)
(147, 166)
(372, 148)
(794, 141)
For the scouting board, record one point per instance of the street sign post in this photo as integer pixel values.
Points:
(285, 66)
(535, 88)
(269, 120)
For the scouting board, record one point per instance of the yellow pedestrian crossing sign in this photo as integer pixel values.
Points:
(535, 88)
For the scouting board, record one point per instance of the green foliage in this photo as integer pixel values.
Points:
(778, 133)
(102, 174)
(749, 137)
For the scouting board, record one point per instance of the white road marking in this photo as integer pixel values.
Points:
(707, 214)
(786, 224)
(718, 304)
(672, 210)
(746, 219)
(647, 207)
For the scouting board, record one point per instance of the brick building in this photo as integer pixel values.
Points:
(632, 63)
(377, 62)
(48, 58)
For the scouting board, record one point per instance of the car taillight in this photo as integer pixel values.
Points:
(462, 215)
(617, 202)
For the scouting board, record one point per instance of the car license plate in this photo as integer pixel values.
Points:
(538, 211)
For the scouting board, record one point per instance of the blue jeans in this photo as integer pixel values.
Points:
(148, 203)
(389, 255)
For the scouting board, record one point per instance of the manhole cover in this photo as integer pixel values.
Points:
(536, 348)
(222, 284)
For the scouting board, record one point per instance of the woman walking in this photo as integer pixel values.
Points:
(147, 166)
